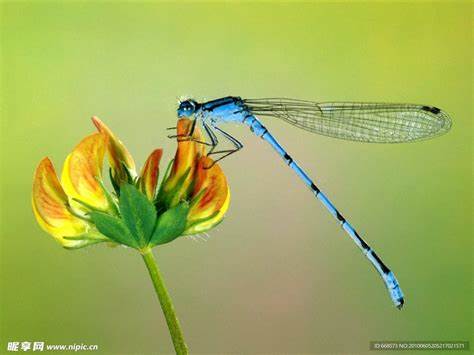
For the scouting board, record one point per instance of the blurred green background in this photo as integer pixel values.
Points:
(278, 275)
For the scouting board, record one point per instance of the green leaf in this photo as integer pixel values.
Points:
(170, 225)
(114, 228)
(138, 213)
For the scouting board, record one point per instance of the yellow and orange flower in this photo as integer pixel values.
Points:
(206, 187)
(79, 210)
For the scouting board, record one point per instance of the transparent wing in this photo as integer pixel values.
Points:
(357, 121)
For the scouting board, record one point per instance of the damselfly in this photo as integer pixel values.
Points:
(364, 122)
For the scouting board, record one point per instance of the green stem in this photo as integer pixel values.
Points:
(166, 304)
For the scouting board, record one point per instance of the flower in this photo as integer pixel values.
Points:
(190, 180)
(140, 213)
(149, 175)
(82, 172)
(120, 160)
(51, 206)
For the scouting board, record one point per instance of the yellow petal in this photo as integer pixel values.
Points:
(82, 171)
(50, 202)
(185, 159)
(117, 153)
(149, 174)
(213, 202)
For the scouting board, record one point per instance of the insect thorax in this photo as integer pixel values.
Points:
(229, 110)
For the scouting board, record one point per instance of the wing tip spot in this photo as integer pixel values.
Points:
(431, 109)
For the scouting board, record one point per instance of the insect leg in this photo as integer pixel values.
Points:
(189, 135)
(212, 136)
(225, 152)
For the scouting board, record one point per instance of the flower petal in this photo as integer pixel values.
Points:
(83, 169)
(50, 203)
(117, 153)
(185, 162)
(149, 174)
(213, 195)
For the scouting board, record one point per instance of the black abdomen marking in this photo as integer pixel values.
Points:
(385, 269)
(315, 188)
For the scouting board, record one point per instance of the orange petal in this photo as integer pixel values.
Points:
(117, 153)
(50, 202)
(214, 202)
(83, 169)
(185, 159)
(188, 151)
(149, 174)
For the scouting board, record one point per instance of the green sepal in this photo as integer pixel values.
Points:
(86, 239)
(128, 175)
(110, 199)
(115, 185)
(141, 187)
(170, 225)
(71, 210)
(202, 220)
(169, 199)
(197, 198)
(165, 177)
(114, 228)
(87, 206)
(138, 213)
